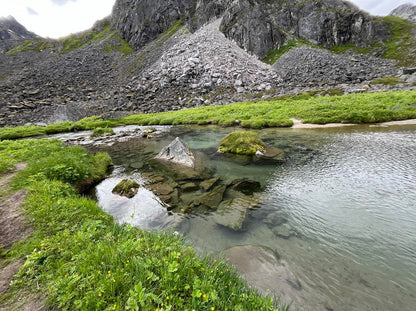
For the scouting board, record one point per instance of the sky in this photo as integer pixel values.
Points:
(59, 18)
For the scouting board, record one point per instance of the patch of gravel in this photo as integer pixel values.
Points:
(303, 65)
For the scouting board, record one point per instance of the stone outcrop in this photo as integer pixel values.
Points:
(260, 26)
(11, 29)
(177, 152)
(256, 26)
(406, 11)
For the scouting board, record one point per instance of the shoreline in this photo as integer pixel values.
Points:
(297, 124)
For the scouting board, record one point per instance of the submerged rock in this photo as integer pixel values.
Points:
(177, 152)
(213, 198)
(160, 188)
(261, 267)
(188, 187)
(206, 185)
(246, 186)
(271, 154)
(232, 213)
(127, 188)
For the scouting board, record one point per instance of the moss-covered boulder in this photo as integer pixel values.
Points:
(127, 188)
(243, 142)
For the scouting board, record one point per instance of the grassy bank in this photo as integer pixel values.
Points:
(354, 108)
(81, 260)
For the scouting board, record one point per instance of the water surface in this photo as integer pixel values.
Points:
(340, 211)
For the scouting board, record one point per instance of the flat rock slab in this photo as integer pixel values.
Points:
(232, 213)
(213, 199)
(261, 267)
(206, 185)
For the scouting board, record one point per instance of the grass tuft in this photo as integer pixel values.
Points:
(81, 260)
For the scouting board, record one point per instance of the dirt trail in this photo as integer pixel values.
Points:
(13, 228)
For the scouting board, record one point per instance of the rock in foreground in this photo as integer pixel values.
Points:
(177, 152)
(127, 188)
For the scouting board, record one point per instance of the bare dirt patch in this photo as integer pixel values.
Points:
(13, 226)
(6, 275)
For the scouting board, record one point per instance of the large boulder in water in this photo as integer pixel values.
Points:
(177, 152)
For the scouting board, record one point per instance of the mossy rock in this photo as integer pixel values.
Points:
(127, 188)
(243, 142)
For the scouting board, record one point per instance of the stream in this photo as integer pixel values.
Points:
(339, 214)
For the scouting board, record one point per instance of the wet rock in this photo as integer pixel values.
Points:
(277, 218)
(177, 152)
(152, 178)
(189, 187)
(232, 213)
(246, 186)
(263, 269)
(136, 165)
(208, 184)
(213, 199)
(127, 188)
(271, 154)
(284, 231)
(160, 188)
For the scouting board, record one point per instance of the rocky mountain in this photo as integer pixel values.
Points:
(256, 26)
(406, 11)
(164, 55)
(10, 29)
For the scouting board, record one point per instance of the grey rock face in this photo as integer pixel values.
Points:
(141, 21)
(10, 29)
(256, 26)
(405, 11)
(259, 26)
(177, 152)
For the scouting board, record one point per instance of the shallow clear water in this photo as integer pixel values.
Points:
(347, 196)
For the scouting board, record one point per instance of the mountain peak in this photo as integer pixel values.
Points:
(405, 11)
(11, 29)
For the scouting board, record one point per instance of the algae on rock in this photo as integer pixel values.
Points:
(242, 142)
(127, 188)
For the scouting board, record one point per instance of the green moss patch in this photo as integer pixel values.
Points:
(127, 188)
(243, 142)
(387, 81)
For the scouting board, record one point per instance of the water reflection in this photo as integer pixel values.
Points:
(340, 211)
